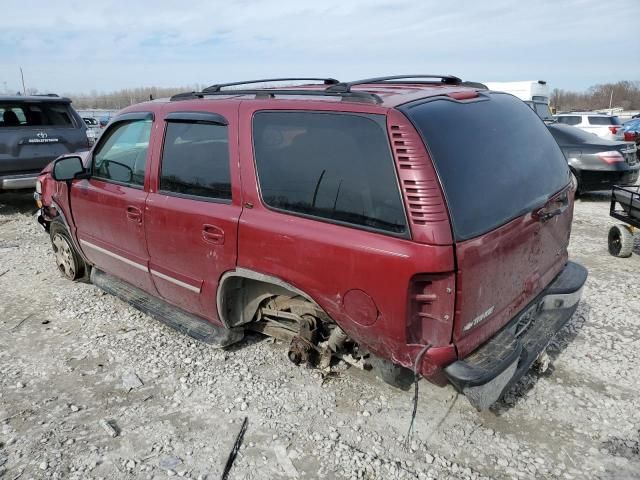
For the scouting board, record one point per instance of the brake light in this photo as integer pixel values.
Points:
(614, 130)
(431, 309)
(611, 156)
(630, 136)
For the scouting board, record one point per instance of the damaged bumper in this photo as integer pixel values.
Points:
(487, 372)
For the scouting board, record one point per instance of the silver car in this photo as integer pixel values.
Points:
(600, 124)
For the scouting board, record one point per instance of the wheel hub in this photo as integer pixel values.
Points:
(64, 256)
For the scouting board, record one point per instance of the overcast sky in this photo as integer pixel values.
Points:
(103, 45)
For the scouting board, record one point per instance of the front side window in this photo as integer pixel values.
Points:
(122, 155)
(336, 167)
(195, 160)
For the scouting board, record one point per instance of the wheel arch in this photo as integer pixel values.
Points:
(241, 291)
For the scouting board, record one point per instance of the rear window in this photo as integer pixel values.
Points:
(495, 158)
(35, 115)
(604, 121)
(336, 167)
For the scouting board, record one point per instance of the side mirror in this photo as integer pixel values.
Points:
(67, 168)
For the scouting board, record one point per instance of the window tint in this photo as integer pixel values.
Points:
(495, 158)
(604, 121)
(122, 154)
(35, 114)
(334, 166)
(570, 120)
(195, 160)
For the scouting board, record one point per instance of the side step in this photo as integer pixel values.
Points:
(174, 317)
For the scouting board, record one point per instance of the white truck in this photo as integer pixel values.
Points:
(534, 93)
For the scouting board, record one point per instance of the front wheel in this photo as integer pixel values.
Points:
(68, 260)
(620, 241)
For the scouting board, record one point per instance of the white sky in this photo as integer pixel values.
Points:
(80, 46)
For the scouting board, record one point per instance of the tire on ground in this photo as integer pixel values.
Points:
(67, 258)
(620, 241)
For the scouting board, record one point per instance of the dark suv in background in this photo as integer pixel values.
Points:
(34, 130)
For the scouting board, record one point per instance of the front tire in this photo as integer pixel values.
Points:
(620, 241)
(68, 260)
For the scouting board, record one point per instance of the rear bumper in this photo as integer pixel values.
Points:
(591, 180)
(18, 182)
(487, 372)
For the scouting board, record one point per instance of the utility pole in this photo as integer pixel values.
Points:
(611, 102)
(24, 90)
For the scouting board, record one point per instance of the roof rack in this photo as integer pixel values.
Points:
(346, 86)
(219, 86)
(271, 93)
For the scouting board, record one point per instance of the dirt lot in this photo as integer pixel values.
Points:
(71, 356)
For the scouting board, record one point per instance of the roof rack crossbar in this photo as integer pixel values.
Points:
(268, 92)
(219, 86)
(346, 86)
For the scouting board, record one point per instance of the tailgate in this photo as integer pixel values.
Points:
(507, 188)
(34, 133)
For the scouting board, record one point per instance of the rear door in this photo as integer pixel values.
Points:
(506, 184)
(108, 208)
(193, 208)
(34, 132)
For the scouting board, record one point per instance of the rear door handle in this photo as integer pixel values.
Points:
(134, 214)
(213, 234)
(542, 215)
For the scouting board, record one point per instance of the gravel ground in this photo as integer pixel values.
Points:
(73, 358)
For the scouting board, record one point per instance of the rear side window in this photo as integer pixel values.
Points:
(604, 121)
(195, 160)
(570, 120)
(122, 154)
(35, 115)
(495, 158)
(336, 167)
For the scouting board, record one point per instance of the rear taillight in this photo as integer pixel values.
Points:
(614, 130)
(611, 156)
(431, 309)
(630, 136)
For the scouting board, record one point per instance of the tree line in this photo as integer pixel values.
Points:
(623, 94)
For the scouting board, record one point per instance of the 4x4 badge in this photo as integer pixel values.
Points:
(42, 135)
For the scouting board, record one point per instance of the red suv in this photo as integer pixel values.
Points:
(416, 218)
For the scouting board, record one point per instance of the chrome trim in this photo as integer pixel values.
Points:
(561, 300)
(175, 281)
(18, 182)
(115, 255)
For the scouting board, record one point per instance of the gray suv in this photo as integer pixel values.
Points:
(34, 130)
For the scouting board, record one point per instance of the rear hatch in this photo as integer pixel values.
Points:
(507, 187)
(34, 131)
(605, 126)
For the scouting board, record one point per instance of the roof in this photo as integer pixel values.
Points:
(34, 98)
(383, 91)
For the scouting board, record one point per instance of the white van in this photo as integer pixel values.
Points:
(534, 93)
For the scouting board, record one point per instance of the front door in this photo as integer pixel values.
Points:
(193, 208)
(108, 208)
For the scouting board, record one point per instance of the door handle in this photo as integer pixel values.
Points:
(213, 234)
(134, 214)
(544, 214)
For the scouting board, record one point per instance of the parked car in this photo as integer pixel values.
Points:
(631, 130)
(603, 125)
(416, 220)
(93, 129)
(33, 131)
(597, 164)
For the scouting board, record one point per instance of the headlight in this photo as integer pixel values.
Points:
(38, 186)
